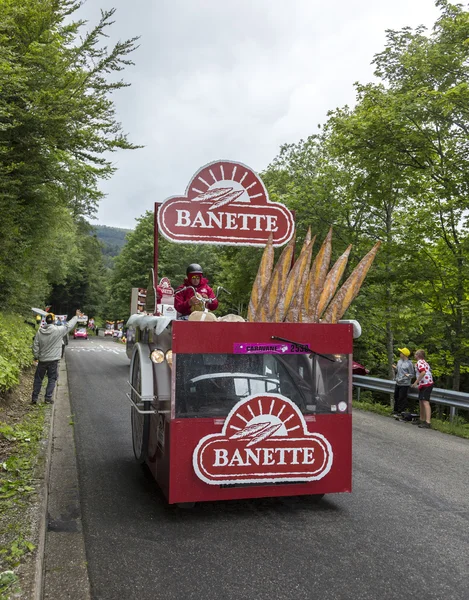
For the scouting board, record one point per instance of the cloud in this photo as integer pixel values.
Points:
(234, 80)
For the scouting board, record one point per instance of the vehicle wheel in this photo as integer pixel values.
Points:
(316, 498)
(140, 423)
(185, 504)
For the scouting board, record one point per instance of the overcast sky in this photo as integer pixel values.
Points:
(233, 79)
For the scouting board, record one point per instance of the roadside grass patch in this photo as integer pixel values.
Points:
(375, 407)
(22, 431)
(459, 426)
(16, 339)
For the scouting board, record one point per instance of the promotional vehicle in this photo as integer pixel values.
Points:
(226, 409)
(81, 332)
(109, 328)
(234, 410)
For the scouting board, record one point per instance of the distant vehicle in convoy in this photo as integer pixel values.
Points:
(358, 369)
(80, 333)
(108, 332)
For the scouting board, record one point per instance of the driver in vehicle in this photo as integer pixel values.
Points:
(185, 301)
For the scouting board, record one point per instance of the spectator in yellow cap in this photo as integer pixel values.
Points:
(403, 375)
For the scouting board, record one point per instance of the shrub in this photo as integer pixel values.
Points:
(16, 339)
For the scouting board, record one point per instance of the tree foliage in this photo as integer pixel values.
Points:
(16, 338)
(133, 265)
(57, 120)
(395, 168)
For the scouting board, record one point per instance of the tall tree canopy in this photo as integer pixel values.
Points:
(133, 265)
(395, 168)
(57, 120)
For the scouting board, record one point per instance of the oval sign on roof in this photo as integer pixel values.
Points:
(226, 203)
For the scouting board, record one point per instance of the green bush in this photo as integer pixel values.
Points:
(16, 339)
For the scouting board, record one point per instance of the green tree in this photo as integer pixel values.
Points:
(395, 168)
(57, 120)
(133, 265)
(85, 285)
(131, 268)
(423, 110)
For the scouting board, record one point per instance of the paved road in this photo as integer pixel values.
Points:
(403, 533)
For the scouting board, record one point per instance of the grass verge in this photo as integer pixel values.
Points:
(458, 427)
(22, 433)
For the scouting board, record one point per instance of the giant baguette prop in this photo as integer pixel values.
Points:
(262, 278)
(331, 283)
(302, 294)
(293, 282)
(294, 312)
(350, 288)
(266, 309)
(307, 239)
(316, 280)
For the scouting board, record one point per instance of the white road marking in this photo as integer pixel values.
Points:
(95, 349)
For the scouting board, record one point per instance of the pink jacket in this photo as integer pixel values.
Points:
(181, 299)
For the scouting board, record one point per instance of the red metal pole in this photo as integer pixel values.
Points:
(155, 244)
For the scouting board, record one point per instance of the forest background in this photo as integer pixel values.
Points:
(394, 168)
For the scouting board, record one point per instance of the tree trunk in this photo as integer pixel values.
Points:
(389, 302)
(458, 322)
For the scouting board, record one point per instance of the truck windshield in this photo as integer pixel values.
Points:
(209, 385)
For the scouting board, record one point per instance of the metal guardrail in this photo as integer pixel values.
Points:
(449, 398)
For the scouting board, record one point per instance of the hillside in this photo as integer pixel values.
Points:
(113, 239)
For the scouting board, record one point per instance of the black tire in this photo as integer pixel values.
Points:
(140, 423)
(316, 498)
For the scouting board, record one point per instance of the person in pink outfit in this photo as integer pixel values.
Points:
(185, 300)
(425, 384)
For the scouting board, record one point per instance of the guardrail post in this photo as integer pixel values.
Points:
(453, 411)
(358, 394)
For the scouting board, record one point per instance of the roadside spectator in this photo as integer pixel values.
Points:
(403, 375)
(47, 350)
(61, 323)
(424, 382)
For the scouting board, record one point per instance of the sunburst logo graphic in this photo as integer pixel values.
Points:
(264, 439)
(225, 203)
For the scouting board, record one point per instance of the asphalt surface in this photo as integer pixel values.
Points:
(402, 533)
